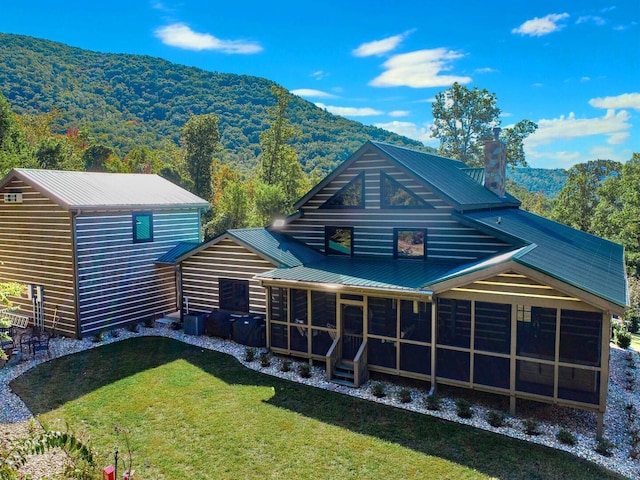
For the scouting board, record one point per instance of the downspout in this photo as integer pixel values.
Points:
(76, 281)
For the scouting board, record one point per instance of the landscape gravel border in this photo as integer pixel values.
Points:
(622, 408)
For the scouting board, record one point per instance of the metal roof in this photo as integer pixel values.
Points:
(176, 252)
(281, 250)
(363, 272)
(582, 260)
(92, 190)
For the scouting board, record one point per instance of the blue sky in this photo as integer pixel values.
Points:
(573, 67)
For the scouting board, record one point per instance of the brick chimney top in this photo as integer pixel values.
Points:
(495, 164)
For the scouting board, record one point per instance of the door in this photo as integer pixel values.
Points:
(352, 321)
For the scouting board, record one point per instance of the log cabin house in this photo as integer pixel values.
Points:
(87, 243)
(411, 264)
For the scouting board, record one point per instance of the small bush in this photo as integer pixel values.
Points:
(133, 327)
(463, 408)
(114, 333)
(623, 339)
(566, 437)
(265, 360)
(304, 370)
(98, 337)
(496, 418)
(249, 354)
(285, 366)
(378, 390)
(531, 427)
(404, 395)
(604, 447)
(176, 325)
(149, 322)
(433, 402)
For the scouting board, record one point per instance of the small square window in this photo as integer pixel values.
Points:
(142, 227)
(410, 244)
(338, 240)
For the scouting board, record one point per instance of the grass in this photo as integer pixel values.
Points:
(635, 341)
(194, 413)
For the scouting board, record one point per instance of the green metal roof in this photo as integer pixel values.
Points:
(178, 251)
(363, 272)
(577, 258)
(281, 250)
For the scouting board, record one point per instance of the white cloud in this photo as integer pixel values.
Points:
(379, 47)
(310, 92)
(420, 69)
(182, 36)
(614, 125)
(541, 26)
(486, 70)
(350, 111)
(626, 100)
(319, 74)
(411, 130)
(400, 113)
(596, 20)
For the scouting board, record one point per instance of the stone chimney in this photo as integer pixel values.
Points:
(495, 164)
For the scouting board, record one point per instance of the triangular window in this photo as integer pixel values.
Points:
(394, 195)
(349, 196)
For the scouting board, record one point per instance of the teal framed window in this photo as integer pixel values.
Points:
(142, 227)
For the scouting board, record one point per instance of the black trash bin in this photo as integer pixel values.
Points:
(249, 330)
(218, 324)
(193, 323)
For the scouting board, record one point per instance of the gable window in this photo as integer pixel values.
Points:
(142, 227)
(233, 294)
(338, 240)
(394, 195)
(349, 196)
(410, 243)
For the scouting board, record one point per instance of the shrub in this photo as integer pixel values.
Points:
(285, 366)
(566, 437)
(98, 337)
(249, 354)
(133, 327)
(304, 370)
(496, 418)
(115, 333)
(378, 390)
(531, 427)
(149, 322)
(623, 339)
(265, 360)
(463, 408)
(433, 402)
(404, 395)
(604, 447)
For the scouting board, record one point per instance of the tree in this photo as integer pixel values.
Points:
(463, 119)
(576, 203)
(200, 140)
(95, 158)
(7, 290)
(270, 202)
(278, 162)
(232, 210)
(14, 151)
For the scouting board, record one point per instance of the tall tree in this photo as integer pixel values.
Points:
(200, 140)
(576, 203)
(617, 215)
(278, 162)
(14, 151)
(463, 118)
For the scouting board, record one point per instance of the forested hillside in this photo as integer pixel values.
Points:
(546, 180)
(125, 101)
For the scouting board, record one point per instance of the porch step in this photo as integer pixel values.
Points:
(343, 374)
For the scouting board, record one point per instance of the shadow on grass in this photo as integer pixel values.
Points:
(52, 384)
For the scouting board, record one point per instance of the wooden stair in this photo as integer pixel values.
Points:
(343, 374)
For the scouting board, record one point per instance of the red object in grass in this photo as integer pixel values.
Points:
(109, 473)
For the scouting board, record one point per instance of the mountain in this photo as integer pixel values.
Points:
(546, 180)
(132, 100)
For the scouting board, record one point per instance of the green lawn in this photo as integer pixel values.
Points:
(197, 414)
(635, 341)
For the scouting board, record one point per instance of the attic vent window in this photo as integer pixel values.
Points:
(349, 196)
(142, 227)
(15, 197)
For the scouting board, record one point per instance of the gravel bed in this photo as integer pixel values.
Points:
(620, 420)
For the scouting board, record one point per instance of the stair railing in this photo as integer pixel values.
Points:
(360, 370)
(333, 355)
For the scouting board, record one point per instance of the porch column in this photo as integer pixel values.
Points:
(434, 340)
(604, 371)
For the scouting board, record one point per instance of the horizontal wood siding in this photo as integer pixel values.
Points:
(36, 248)
(119, 281)
(447, 239)
(225, 259)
